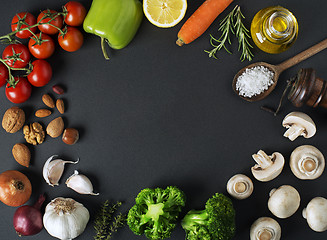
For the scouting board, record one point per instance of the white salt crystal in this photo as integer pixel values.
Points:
(254, 81)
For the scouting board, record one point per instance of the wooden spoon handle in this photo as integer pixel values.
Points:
(302, 56)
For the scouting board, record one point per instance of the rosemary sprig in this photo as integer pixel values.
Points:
(226, 26)
(105, 224)
(232, 23)
(243, 35)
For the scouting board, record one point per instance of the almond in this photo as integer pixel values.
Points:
(48, 101)
(60, 105)
(55, 127)
(21, 154)
(42, 113)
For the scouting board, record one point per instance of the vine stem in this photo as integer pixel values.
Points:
(8, 36)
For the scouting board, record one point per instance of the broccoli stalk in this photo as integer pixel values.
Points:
(155, 212)
(216, 221)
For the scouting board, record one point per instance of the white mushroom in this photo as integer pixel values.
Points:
(267, 167)
(265, 228)
(240, 186)
(307, 162)
(316, 214)
(298, 124)
(284, 201)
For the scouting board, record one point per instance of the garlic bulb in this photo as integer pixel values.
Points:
(64, 218)
(80, 183)
(53, 169)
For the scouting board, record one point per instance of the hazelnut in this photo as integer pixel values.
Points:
(70, 136)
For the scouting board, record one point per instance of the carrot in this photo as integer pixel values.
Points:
(200, 20)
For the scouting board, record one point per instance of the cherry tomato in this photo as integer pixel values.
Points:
(45, 16)
(16, 55)
(4, 74)
(41, 73)
(16, 24)
(45, 49)
(20, 92)
(76, 13)
(72, 40)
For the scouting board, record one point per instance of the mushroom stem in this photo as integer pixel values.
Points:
(240, 187)
(294, 131)
(262, 159)
(265, 234)
(308, 165)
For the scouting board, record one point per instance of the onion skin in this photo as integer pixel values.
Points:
(28, 219)
(15, 188)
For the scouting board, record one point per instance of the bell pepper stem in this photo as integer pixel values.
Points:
(103, 47)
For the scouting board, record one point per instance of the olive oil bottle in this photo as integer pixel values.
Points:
(274, 29)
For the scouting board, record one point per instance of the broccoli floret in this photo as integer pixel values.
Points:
(215, 222)
(156, 211)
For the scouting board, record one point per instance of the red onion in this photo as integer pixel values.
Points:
(28, 219)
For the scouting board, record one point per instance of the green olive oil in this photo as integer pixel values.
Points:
(274, 29)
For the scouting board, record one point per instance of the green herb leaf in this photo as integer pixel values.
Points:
(105, 224)
(232, 23)
(243, 35)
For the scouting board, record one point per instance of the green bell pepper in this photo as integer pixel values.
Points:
(115, 21)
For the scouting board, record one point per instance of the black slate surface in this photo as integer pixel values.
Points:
(157, 114)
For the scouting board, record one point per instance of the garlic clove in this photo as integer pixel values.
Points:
(80, 183)
(53, 170)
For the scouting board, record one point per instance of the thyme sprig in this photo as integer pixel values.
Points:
(105, 224)
(232, 23)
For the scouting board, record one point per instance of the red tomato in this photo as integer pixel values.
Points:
(4, 74)
(16, 24)
(76, 13)
(72, 40)
(16, 55)
(41, 73)
(45, 16)
(20, 92)
(43, 50)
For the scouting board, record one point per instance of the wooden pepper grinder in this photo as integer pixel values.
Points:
(308, 89)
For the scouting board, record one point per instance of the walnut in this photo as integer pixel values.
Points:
(34, 133)
(13, 119)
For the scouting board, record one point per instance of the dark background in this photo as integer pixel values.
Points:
(157, 114)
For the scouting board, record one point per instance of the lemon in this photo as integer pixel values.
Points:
(164, 13)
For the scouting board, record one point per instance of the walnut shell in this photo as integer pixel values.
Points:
(55, 127)
(13, 119)
(21, 154)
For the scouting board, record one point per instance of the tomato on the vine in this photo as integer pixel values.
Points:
(45, 16)
(43, 50)
(18, 21)
(16, 55)
(72, 40)
(4, 74)
(19, 91)
(41, 73)
(75, 13)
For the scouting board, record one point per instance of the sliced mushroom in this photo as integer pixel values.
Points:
(265, 228)
(307, 162)
(284, 201)
(267, 167)
(316, 214)
(298, 124)
(240, 186)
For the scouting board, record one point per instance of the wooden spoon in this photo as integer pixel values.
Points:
(278, 69)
